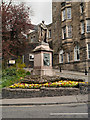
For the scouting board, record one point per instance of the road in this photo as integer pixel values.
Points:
(75, 110)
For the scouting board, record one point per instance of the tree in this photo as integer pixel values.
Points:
(15, 23)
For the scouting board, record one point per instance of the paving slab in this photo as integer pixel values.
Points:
(72, 74)
(46, 100)
(82, 98)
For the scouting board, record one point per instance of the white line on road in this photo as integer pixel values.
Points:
(68, 113)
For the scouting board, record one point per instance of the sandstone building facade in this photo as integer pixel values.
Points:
(69, 35)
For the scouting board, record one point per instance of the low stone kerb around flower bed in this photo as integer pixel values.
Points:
(51, 86)
(43, 92)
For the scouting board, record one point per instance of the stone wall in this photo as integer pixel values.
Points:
(79, 66)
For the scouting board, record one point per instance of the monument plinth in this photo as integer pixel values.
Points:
(43, 60)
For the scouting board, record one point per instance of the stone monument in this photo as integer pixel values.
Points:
(43, 54)
(43, 32)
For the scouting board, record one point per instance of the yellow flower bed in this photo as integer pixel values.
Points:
(48, 84)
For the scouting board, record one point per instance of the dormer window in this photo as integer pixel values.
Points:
(81, 8)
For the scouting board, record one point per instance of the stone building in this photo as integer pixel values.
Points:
(71, 35)
(32, 37)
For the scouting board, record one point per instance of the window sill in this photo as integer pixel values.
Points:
(49, 38)
(88, 32)
(76, 60)
(69, 19)
(69, 37)
(64, 38)
(63, 20)
(61, 63)
(82, 13)
(66, 20)
(82, 33)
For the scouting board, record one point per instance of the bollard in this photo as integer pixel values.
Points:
(60, 69)
(85, 72)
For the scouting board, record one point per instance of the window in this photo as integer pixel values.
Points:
(81, 8)
(82, 27)
(49, 34)
(69, 33)
(68, 13)
(68, 57)
(31, 39)
(31, 57)
(88, 50)
(76, 53)
(61, 56)
(64, 32)
(87, 26)
(63, 15)
(63, 4)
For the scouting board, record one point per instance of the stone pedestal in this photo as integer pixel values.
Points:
(43, 60)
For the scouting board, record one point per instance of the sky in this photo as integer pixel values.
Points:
(42, 10)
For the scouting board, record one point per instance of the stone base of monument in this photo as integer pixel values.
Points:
(41, 72)
(43, 60)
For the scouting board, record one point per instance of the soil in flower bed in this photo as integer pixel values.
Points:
(29, 79)
(37, 82)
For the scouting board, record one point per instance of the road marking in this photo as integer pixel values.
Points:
(68, 113)
(18, 106)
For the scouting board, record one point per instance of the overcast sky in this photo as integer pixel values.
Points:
(42, 10)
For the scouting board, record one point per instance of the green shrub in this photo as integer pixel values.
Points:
(21, 71)
(27, 73)
(19, 63)
(12, 75)
(9, 71)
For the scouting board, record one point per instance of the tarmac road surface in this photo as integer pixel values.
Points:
(73, 110)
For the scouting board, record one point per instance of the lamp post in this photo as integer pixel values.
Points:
(85, 65)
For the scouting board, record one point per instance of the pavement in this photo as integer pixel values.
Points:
(72, 74)
(69, 74)
(45, 100)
